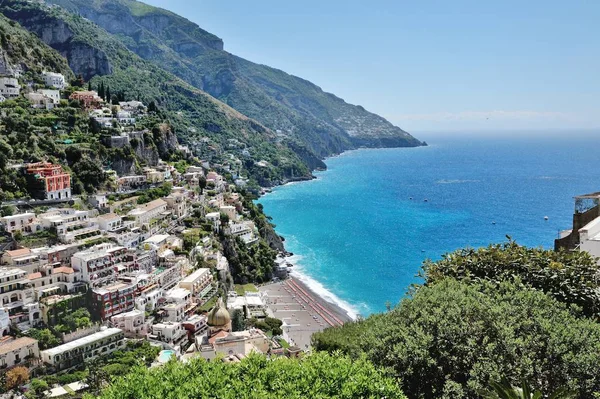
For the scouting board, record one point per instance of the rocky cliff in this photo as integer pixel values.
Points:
(323, 123)
(83, 58)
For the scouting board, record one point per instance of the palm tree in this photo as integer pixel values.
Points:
(505, 390)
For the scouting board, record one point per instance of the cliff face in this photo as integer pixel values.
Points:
(83, 59)
(323, 123)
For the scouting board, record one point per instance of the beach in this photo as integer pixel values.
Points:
(302, 311)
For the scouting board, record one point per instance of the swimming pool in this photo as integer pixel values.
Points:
(165, 355)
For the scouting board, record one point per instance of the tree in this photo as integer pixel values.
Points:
(202, 183)
(315, 376)
(78, 81)
(570, 277)
(97, 376)
(452, 338)
(18, 235)
(108, 97)
(152, 107)
(89, 86)
(37, 389)
(505, 390)
(237, 320)
(16, 377)
(101, 91)
(44, 337)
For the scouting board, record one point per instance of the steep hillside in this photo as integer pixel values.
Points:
(24, 51)
(195, 115)
(294, 106)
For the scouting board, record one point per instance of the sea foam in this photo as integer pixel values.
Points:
(318, 288)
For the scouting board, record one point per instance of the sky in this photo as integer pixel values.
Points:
(427, 65)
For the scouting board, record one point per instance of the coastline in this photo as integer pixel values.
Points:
(302, 310)
(325, 296)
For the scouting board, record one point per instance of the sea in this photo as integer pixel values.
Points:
(361, 230)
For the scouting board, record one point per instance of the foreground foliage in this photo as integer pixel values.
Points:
(451, 339)
(505, 390)
(570, 277)
(316, 376)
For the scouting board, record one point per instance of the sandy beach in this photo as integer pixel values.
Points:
(302, 311)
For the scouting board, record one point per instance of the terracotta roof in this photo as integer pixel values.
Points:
(16, 344)
(33, 276)
(64, 269)
(18, 252)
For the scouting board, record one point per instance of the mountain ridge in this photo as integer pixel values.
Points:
(296, 107)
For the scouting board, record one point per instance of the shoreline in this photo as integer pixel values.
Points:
(302, 310)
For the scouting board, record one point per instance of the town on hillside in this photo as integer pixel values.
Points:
(168, 260)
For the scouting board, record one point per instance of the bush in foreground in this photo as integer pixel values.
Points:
(315, 376)
(451, 339)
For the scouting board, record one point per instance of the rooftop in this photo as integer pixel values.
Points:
(18, 343)
(109, 332)
(195, 275)
(18, 252)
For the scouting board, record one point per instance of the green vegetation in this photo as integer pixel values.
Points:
(570, 277)
(313, 122)
(505, 390)
(249, 263)
(504, 316)
(241, 289)
(23, 47)
(196, 118)
(268, 325)
(46, 339)
(315, 376)
(80, 318)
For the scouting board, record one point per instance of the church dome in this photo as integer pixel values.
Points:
(219, 315)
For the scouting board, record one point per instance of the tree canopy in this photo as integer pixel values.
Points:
(449, 340)
(315, 376)
(570, 277)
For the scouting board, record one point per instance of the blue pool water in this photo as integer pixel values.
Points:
(359, 239)
(165, 355)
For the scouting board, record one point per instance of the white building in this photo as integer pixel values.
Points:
(54, 95)
(19, 222)
(133, 322)
(178, 304)
(14, 291)
(9, 87)
(15, 351)
(56, 80)
(238, 344)
(252, 302)
(215, 219)
(148, 214)
(98, 264)
(199, 283)
(109, 222)
(170, 332)
(84, 349)
(150, 298)
(589, 238)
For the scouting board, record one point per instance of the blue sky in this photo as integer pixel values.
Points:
(427, 65)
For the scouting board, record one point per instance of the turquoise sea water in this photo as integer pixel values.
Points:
(359, 239)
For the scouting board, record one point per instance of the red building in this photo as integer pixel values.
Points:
(53, 182)
(88, 98)
(113, 299)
